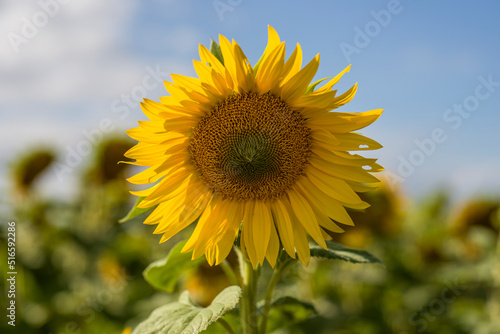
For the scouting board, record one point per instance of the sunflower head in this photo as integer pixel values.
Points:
(105, 167)
(252, 150)
(29, 167)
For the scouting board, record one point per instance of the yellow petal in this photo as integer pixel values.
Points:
(351, 173)
(284, 225)
(297, 85)
(337, 122)
(247, 233)
(329, 206)
(325, 221)
(207, 57)
(170, 187)
(245, 73)
(192, 207)
(305, 216)
(261, 229)
(328, 86)
(157, 214)
(168, 207)
(362, 188)
(324, 137)
(270, 70)
(156, 172)
(301, 243)
(237, 65)
(322, 101)
(272, 41)
(358, 206)
(293, 64)
(339, 157)
(355, 142)
(212, 78)
(207, 214)
(224, 247)
(332, 186)
(344, 98)
(273, 248)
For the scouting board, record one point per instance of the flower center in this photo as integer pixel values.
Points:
(251, 146)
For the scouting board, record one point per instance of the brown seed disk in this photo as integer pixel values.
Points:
(251, 146)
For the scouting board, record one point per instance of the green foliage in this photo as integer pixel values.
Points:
(79, 271)
(312, 86)
(288, 311)
(338, 252)
(216, 51)
(164, 273)
(135, 211)
(184, 317)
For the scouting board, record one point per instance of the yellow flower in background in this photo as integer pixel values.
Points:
(254, 149)
(127, 330)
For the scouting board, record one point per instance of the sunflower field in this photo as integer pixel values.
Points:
(249, 167)
(439, 273)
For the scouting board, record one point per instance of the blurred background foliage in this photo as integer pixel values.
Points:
(80, 271)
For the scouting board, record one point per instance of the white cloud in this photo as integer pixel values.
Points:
(75, 55)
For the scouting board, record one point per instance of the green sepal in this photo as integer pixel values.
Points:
(164, 274)
(185, 317)
(216, 51)
(338, 252)
(312, 86)
(135, 211)
(288, 311)
(256, 66)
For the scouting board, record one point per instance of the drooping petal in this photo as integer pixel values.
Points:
(228, 104)
(283, 223)
(306, 216)
(273, 248)
(261, 227)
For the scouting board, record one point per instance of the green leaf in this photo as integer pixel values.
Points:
(216, 51)
(288, 311)
(232, 319)
(163, 274)
(135, 211)
(184, 317)
(339, 252)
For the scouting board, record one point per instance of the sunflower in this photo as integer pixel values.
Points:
(255, 150)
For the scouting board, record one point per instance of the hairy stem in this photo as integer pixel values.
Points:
(248, 301)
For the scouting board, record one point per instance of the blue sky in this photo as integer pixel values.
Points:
(432, 66)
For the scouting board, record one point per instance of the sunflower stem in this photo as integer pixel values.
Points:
(280, 268)
(248, 303)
